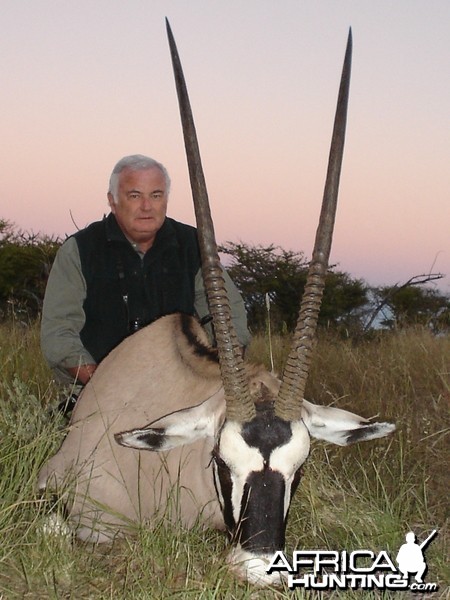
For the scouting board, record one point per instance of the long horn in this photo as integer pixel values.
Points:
(240, 406)
(289, 401)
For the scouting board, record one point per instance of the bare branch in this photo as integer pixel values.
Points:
(415, 280)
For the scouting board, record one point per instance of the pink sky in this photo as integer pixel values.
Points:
(85, 83)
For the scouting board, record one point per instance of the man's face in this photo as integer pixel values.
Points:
(141, 204)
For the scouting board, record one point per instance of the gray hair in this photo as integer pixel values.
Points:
(135, 162)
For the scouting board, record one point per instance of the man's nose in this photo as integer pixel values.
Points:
(146, 202)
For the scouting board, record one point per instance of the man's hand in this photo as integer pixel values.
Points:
(82, 373)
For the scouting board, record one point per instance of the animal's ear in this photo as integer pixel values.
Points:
(340, 426)
(178, 428)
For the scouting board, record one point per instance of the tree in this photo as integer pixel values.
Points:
(25, 261)
(261, 270)
(410, 304)
(344, 302)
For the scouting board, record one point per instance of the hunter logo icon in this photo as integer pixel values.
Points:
(410, 557)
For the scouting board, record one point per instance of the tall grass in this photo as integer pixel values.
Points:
(364, 496)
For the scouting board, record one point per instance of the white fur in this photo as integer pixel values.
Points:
(288, 458)
(55, 525)
(252, 567)
(183, 426)
(334, 424)
(240, 458)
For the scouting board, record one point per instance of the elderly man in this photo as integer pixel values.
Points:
(122, 273)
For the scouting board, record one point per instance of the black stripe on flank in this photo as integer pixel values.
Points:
(199, 349)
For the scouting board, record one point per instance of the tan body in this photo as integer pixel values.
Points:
(151, 374)
(163, 378)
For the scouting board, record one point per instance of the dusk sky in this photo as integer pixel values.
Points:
(86, 82)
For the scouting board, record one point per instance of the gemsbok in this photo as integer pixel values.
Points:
(227, 439)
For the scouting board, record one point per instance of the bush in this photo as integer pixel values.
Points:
(25, 262)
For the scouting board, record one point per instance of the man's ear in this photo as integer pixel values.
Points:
(111, 202)
(178, 428)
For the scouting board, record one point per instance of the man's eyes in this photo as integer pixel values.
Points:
(137, 196)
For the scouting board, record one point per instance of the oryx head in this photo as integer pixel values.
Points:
(262, 430)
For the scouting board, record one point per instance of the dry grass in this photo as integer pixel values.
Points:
(402, 377)
(366, 496)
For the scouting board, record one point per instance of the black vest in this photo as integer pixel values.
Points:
(160, 283)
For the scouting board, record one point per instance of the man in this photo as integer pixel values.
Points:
(410, 558)
(122, 273)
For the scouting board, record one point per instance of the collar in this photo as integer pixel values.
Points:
(164, 237)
